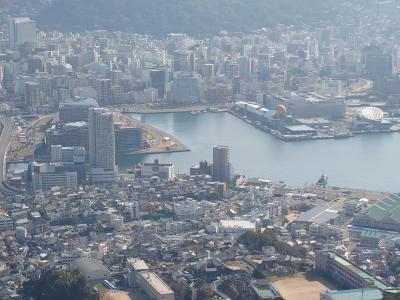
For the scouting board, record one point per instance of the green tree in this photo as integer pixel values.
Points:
(60, 285)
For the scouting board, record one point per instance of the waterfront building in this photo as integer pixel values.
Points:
(384, 214)
(101, 145)
(21, 30)
(221, 165)
(186, 88)
(159, 81)
(128, 139)
(148, 170)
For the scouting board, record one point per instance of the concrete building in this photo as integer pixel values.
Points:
(159, 81)
(186, 88)
(104, 92)
(101, 145)
(181, 61)
(236, 227)
(384, 214)
(62, 154)
(128, 139)
(6, 223)
(32, 97)
(93, 270)
(76, 111)
(221, 165)
(345, 273)
(148, 170)
(45, 177)
(21, 30)
(354, 294)
(69, 135)
(149, 282)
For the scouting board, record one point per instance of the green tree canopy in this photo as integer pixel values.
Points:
(59, 285)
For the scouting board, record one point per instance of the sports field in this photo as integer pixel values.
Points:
(303, 286)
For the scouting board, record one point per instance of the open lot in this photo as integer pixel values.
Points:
(303, 286)
(122, 295)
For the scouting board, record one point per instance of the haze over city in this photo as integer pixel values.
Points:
(202, 149)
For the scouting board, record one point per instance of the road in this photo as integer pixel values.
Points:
(4, 144)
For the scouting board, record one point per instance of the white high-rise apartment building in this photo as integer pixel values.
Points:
(101, 145)
(21, 30)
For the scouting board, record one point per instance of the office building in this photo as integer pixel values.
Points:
(244, 67)
(148, 170)
(62, 154)
(221, 165)
(186, 88)
(264, 66)
(45, 177)
(21, 30)
(32, 97)
(181, 61)
(76, 111)
(159, 81)
(101, 145)
(69, 135)
(128, 139)
(231, 70)
(208, 71)
(379, 65)
(104, 92)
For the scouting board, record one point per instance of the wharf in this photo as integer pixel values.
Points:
(162, 142)
(192, 108)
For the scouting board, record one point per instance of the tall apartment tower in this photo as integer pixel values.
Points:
(32, 97)
(101, 145)
(221, 165)
(21, 30)
(104, 92)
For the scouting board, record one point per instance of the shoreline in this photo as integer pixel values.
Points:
(163, 142)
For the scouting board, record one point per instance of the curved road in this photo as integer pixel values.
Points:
(4, 144)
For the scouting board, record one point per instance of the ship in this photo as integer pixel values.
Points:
(323, 180)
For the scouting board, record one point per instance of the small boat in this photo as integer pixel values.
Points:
(195, 113)
(322, 181)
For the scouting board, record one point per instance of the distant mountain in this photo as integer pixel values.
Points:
(189, 16)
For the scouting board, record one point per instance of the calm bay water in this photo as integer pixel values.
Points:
(365, 162)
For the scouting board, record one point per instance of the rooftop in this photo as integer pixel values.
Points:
(386, 209)
(356, 294)
(155, 282)
(318, 214)
(360, 272)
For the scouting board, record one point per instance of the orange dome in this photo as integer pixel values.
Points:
(281, 109)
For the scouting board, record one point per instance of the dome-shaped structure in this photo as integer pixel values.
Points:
(372, 114)
(281, 109)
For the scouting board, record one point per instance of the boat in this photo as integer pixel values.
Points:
(195, 113)
(322, 181)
